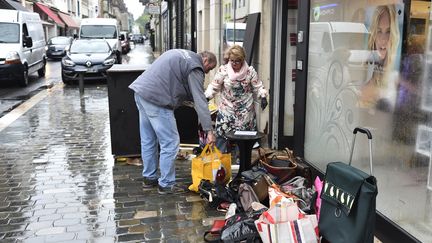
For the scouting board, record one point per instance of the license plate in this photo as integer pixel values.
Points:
(91, 70)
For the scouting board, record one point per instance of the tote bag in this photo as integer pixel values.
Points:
(206, 165)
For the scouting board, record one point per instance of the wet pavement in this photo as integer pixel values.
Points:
(60, 183)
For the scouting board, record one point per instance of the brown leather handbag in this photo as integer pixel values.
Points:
(273, 164)
(282, 166)
(302, 169)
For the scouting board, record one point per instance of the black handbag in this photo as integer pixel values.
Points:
(348, 201)
(215, 194)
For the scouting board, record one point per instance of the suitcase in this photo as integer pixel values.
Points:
(349, 201)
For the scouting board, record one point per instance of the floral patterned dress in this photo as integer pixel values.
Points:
(236, 109)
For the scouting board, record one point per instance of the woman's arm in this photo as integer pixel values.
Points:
(257, 84)
(215, 85)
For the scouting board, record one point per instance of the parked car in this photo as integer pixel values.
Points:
(22, 46)
(92, 57)
(56, 46)
(137, 38)
(102, 28)
(125, 44)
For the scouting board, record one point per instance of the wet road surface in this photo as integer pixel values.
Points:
(60, 183)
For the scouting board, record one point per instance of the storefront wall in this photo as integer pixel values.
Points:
(374, 72)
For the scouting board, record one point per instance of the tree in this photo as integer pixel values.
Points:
(142, 21)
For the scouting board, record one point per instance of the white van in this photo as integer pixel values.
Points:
(338, 50)
(240, 30)
(22, 45)
(102, 28)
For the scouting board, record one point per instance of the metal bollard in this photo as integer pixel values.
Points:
(81, 84)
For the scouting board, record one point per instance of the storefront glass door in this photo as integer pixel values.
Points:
(285, 73)
(369, 65)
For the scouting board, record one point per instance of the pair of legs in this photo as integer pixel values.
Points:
(158, 126)
(225, 146)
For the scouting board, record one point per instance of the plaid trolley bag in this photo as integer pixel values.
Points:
(348, 201)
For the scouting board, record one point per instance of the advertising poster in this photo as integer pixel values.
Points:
(384, 23)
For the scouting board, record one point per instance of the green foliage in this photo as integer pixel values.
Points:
(142, 20)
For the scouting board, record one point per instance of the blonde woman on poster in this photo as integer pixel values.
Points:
(379, 91)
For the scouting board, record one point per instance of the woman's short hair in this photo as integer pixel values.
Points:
(237, 52)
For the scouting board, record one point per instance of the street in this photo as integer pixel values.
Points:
(60, 183)
(12, 95)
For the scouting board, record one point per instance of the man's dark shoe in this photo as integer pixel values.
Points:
(174, 189)
(148, 183)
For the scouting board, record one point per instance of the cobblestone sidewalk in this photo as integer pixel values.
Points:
(59, 182)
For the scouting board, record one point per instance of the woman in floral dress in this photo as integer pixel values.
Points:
(238, 85)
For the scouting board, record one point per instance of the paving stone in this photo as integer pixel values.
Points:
(34, 226)
(145, 214)
(44, 212)
(103, 239)
(12, 228)
(66, 222)
(153, 235)
(68, 210)
(130, 237)
(60, 237)
(9, 209)
(77, 241)
(38, 239)
(130, 222)
(50, 217)
(9, 240)
(23, 220)
(51, 231)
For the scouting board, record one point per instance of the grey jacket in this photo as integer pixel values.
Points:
(174, 77)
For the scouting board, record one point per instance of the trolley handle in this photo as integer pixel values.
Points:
(369, 135)
(363, 130)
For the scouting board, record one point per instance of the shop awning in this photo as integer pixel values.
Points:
(68, 20)
(51, 14)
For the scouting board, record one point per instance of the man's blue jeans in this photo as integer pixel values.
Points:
(158, 125)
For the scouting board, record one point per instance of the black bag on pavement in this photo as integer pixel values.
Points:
(241, 228)
(215, 194)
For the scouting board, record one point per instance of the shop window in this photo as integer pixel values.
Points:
(367, 67)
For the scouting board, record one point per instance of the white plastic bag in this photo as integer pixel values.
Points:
(284, 222)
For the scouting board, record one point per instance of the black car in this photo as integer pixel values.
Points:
(92, 57)
(137, 38)
(55, 47)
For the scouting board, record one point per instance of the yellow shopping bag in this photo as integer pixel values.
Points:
(206, 165)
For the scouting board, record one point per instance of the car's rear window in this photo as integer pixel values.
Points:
(59, 41)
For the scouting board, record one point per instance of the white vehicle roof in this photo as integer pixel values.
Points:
(230, 25)
(12, 16)
(98, 21)
(346, 27)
